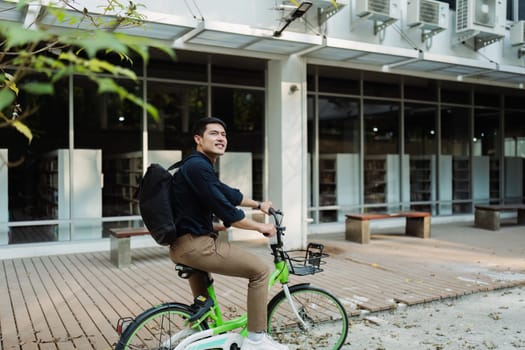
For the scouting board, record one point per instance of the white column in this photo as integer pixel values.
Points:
(286, 123)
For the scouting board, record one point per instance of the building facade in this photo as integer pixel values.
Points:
(354, 106)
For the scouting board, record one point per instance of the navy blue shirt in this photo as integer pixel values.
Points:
(199, 194)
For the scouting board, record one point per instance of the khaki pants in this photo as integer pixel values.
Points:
(207, 253)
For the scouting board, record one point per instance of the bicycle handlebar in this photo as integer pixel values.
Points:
(277, 215)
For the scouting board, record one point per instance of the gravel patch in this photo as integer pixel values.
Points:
(485, 320)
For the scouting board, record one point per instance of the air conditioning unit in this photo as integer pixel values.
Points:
(427, 14)
(517, 33)
(378, 10)
(487, 17)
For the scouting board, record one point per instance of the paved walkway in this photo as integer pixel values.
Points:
(73, 301)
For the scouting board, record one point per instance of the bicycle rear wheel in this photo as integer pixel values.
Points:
(161, 328)
(325, 318)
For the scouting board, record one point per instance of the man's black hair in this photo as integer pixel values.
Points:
(200, 125)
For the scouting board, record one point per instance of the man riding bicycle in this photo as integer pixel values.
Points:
(200, 196)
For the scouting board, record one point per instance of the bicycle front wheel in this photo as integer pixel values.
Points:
(160, 328)
(325, 322)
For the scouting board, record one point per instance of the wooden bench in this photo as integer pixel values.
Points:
(488, 216)
(120, 251)
(358, 225)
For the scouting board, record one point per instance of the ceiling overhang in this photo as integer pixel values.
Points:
(247, 38)
(361, 53)
(347, 53)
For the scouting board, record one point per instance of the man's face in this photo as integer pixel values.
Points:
(213, 142)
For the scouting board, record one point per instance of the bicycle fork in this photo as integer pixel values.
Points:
(294, 307)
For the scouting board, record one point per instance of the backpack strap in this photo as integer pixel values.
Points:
(176, 165)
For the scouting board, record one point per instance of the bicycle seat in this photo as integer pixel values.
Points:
(184, 271)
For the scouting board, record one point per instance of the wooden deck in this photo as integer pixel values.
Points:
(74, 301)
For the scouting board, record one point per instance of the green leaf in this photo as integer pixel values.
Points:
(107, 85)
(16, 35)
(140, 45)
(23, 129)
(37, 88)
(6, 98)
(98, 40)
(10, 83)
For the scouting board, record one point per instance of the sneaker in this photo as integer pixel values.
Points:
(266, 343)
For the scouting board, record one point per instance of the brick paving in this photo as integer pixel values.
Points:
(74, 301)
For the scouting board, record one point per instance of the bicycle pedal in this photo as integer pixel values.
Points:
(201, 305)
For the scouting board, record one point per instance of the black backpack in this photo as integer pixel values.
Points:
(155, 198)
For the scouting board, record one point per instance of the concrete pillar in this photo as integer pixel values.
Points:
(286, 122)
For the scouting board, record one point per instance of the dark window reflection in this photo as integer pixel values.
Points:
(381, 127)
(106, 122)
(32, 177)
(179, 107)
(420, 129)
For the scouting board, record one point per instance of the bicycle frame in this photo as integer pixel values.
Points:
(219, 334)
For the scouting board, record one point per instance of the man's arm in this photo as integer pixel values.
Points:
(252, 203)
(249, 224)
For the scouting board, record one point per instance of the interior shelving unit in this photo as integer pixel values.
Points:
(375, 180)
(122, 175)
(71, 192)
(494, 178)
(338, 184)
(461, 185)
(422, 181)
(382, 180)
(327, 187)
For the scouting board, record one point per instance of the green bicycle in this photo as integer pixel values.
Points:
(301, 316)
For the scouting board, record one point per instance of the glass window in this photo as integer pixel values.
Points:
(421, 146)
(514, 163)
(486, 143)
(107, 123)
(381, 127)
(336, 80)
(455, 146)
(179, 107)
(486, 96)
(186, 66)
(420, 89)
(338, 156)
(455, 93)
(243, 111)
(486, 133)
(420, 129)
(514, 99)
(382, 161)
(34, 177)
(455, 131)
(381, 85)
(338, 125)
(239, 71)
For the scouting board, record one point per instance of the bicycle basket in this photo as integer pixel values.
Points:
(306, 262)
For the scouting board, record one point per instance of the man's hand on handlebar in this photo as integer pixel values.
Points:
(268, 229)
(265, 207)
